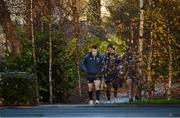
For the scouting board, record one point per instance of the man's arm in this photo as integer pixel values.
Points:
(84, 63)
(104, 62)
(119, 66)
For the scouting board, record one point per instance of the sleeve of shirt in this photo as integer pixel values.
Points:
(103, 63)
(119, 66)
(84, 63)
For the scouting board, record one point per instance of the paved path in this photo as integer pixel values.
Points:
(101, 110)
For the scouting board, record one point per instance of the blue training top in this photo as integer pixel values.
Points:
(92, 65)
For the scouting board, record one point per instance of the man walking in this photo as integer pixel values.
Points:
(130, 74)
(92, 65)
(113, 71)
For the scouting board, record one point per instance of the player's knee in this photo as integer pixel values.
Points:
(90, 89)
(97, 87)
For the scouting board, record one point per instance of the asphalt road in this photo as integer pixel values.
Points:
(91, 111)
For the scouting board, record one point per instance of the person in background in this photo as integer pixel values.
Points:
(130, 74)
(92, 65)
(113, 71)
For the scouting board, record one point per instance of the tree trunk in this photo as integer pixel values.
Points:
(132, 44)
(78, 66)
(132, 33)
(170, 73)
(50, 53)
(140, 44)
(50, 64)
(42, 23)
(77, 28)
(149, 71)
(9, 28)
(33, 50)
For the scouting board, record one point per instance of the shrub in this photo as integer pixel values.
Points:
(18, 88)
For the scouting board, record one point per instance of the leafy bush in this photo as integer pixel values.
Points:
(17, 88)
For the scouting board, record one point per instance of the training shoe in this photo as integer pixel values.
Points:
(97, 102)
(91, 102)
(108, 101)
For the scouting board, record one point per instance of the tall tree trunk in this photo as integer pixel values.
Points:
(132, 33)
(132, 44)
(50, 64)
(7, 49)
(50, 53)
(33, 50)
(42, 23)
(9, 28)
(140, 44)
(149, 71)
(170, 73)
(78, 66)
(77, 28)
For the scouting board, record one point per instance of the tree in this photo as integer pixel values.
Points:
(33, 49)
(149, 17)
(9, 28)
(76, 36)
(50, 51)
(140, 43)
(160, 33)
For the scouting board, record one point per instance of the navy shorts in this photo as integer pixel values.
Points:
(114, 81)
(92, 79)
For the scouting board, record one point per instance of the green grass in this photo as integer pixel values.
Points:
(158, 101)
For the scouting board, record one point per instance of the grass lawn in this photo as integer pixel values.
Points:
(158, 101)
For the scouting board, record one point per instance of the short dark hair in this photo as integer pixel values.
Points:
(110, 45)
(94, 47)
